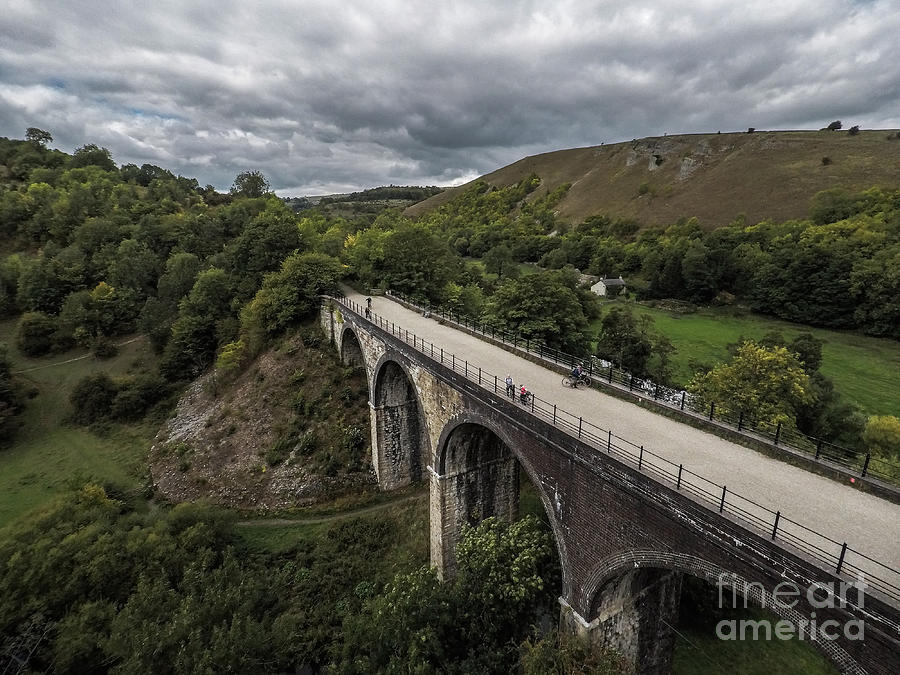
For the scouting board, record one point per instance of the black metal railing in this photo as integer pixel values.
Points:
(833, 555)
(680, 401)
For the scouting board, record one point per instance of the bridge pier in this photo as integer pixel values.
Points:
(477, 478)
(635, 615)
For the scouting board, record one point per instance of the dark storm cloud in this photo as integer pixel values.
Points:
(327, 97)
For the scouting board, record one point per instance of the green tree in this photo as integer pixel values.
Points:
(250, 184)
(629, 341)
(882, 436)
(767, 383)
(288, 296)
(263, 244)
(135, 267)
(195, 334)
(498, 260)
(416, 261)
(159, 313)
(92, 398)
(34, 334)
(543, 307)
(697, 272)
(38, 136)
(41, 286)
(365, 253)
(875, 282)
(230, 360)
(92, 155)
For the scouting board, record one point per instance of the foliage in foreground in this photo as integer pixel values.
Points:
(562, 654)
(90, 585)
(472, 624)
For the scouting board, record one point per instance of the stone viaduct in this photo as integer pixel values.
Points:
(624, 539)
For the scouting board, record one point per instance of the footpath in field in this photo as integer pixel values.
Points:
(867, 523)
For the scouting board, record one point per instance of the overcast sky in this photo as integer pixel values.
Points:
(328, 97)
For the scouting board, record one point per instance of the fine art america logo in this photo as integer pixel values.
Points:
(784, 598)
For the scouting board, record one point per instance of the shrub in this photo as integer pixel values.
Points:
(826, 161)
(92, 398)
(853, 130)
(230, 360)
(137, 395)
(34, 334)
(834, 126)
(104, 348)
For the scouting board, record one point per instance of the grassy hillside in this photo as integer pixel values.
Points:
(50, 456)
(864, 369)
(715, 177)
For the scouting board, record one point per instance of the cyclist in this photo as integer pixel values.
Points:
(524, 394)
(577, 375)
(510, 387)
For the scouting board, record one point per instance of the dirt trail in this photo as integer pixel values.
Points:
(272, 522)
(77, 358)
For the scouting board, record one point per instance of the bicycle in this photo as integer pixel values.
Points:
(575, 381)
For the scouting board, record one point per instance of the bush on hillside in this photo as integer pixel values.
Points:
(92, 398)
(100, 398)
(34, 334)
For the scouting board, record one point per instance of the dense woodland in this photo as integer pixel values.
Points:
(93, 584)
(91, 252)
(98, 251)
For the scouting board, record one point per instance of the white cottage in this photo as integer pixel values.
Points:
(609, 287)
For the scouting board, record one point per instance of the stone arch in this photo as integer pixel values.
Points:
(351, 349)
(622, 581)
(451, 492)
(400, 447)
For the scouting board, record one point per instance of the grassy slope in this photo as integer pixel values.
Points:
(763, 175)
(410, 517)
(48, 455)
(865, 370)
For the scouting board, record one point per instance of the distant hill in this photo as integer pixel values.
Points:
(368, 201)
(716, 177)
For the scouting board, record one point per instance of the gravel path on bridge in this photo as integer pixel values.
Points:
(868, 524)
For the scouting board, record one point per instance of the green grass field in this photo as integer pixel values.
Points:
(865, 370)
(48, 455)
(700, 652)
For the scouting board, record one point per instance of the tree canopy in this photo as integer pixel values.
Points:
(250, 184)
(769, 384)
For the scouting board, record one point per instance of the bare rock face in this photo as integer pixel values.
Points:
(217, 445)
